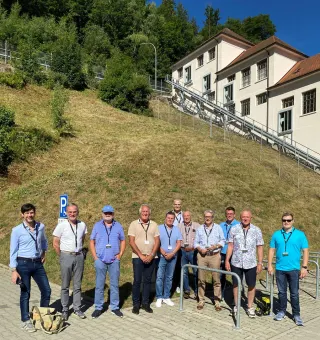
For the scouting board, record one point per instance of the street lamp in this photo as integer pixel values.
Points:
(155, 63)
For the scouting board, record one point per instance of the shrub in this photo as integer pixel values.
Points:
(6, 117)
(58, 104)
(14, 80)
(6, 153)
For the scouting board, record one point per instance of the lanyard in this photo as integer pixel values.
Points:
(108, 232)
(75, 234)
(187, 232)
(205, 230)
(245, 234)
(169, 236)
(228, 230)
(34, 239)
(176, 217)
(286, 240)
(145, 230)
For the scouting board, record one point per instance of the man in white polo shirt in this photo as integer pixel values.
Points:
(68, 238)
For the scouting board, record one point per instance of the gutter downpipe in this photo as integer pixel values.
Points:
(217, 65)
(268, 76)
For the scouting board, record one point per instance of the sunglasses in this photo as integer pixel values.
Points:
(284, 220)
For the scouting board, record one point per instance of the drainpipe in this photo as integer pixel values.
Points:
(268, 76)
(217, 56)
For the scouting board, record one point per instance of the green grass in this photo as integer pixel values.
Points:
(123, 159)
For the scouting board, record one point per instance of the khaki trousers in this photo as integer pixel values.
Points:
(212, 261)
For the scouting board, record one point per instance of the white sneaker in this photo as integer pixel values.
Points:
(158, 303)
(178, 290)
(168, 302)
(251, 312)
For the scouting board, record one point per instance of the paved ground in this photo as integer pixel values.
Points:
(165, 323)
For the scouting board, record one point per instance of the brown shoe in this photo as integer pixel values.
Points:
(200, 306)
(186, 295)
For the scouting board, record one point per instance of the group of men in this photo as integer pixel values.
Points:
(232, 245)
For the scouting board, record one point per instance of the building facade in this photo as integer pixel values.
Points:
(271, 82)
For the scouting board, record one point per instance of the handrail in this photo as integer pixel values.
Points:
(217, 271)
(297, 149)
(317, 276)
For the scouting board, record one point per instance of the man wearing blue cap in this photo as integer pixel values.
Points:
(107, 245)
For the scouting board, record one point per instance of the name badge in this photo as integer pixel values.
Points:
(108, 246)
(207, 247)
(186, 244)
(285, 254)
(244, 250)
(169, 247)
(146, 242)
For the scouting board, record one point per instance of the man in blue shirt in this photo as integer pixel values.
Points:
(226, 226)
(287, 243)
(170, 244)
(28, 245)
(107, 245)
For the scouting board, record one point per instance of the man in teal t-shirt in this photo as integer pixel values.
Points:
(287, 243)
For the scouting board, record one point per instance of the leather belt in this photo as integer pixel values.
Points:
(29, 259)
(71, 252)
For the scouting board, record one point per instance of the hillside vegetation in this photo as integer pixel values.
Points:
(124, 160)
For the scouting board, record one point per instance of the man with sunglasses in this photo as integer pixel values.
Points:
(107, 245)
(287, 244)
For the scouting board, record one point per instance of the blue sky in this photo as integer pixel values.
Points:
(297, 22)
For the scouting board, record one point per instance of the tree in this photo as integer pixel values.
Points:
(259, 27)
(211, 24)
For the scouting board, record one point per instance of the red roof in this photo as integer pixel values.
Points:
(259, 47)
(300, 69)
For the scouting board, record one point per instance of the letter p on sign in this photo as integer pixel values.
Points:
(63, 206)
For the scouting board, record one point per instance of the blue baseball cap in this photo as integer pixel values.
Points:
(107, 208)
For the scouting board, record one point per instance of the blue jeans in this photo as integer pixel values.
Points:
(145, 271)
(101, 273)
(283, 279)
(164, 277)
(26, 270)
(186, 258)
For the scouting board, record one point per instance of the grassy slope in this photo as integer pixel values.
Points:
(125, 160)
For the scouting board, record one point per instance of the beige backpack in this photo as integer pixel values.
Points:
(47, 319)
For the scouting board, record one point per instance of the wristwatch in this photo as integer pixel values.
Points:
(304, 267)
(13, 269)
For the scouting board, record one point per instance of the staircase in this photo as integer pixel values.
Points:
(192, 102)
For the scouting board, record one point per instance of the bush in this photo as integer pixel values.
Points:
(6, 117)
(14, 80)
(25, 141)
(58, 104)
(123, 88)
(6, 153)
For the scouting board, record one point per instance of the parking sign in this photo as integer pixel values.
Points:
(63, 206)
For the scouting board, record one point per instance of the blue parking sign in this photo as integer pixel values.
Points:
(63, 206)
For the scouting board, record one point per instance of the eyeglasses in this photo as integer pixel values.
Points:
(284, 220)
(208, 217)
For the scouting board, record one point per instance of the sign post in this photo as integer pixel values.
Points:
(63, 208)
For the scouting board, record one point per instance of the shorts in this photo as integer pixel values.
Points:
(250, 275)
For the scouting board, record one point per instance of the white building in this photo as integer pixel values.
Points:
(270, 82)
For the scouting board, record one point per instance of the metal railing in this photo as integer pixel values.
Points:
(244, 125)
(317, 276)
(217, 271)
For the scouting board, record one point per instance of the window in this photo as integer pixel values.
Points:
(187, 71)
(211, 96)
(180, 72)
(309, 101)
(261, 98)
(246, 77)
(262, 69)
(232, 108)
(212, 53)
(285, 121)
(245, 107)
(200, 60)
(287, 102)
(228, 93)
(207, 83)
(231, 78)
